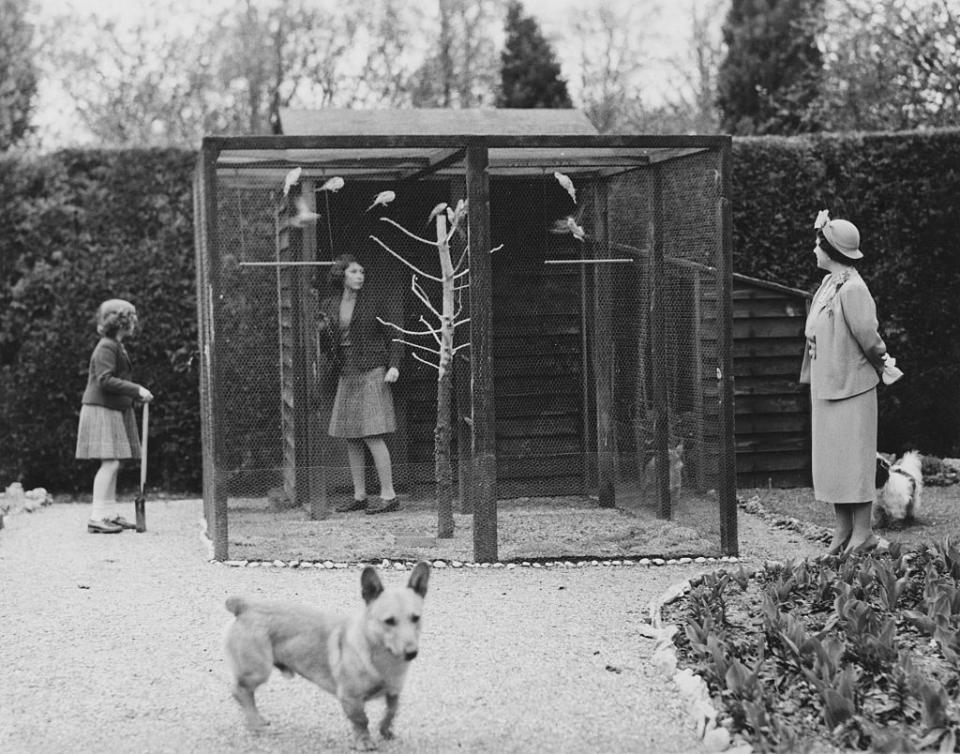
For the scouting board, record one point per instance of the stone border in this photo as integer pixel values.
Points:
(403, 564)
(714, 736)
(806, 529)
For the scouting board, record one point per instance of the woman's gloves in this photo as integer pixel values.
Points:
(890, 373)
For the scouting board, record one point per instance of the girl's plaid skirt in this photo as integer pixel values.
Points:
(363, 406)
(107, 433)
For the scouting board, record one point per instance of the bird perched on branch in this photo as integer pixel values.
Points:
(383, 198)
(436, 211)
(564, 180)
(332, 184)
(291, 180)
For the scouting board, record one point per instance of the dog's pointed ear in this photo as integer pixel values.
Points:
(419, 578)
(370, 584)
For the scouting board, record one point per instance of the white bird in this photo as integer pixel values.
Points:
(305, 215)
(291, 180)
(384, 198)
(332, 184)
(569, 225)
(564, 180)
(454, 215)
(436, 211)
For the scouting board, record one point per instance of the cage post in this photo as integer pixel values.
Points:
(481, 355)
(315, 476)
(727, 487)
(661, 418)
(701, 474)
(603, 355)
(461, 389)
(209, 361)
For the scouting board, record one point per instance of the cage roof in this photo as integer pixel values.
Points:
(406, 144)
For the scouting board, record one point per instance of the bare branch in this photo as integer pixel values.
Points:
(412, 267)
(496, 248)
(422, 295)
(433, 332)
(404, 331)
(415, 237)
(461, 274)
(424, 361)
(461, 322)
(462, 345)
(416, 345)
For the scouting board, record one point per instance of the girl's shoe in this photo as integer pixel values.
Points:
(353, 505)
(103, 527)
(121, 522)
(384, 506)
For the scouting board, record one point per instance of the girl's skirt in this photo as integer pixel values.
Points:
(107, 433)
(363, 406)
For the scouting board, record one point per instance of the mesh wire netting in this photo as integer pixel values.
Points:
(607, 329)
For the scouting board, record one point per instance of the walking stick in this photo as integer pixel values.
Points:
(140, 503)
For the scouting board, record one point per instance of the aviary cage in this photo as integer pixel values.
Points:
(597, 385)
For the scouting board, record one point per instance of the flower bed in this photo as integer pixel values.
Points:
(860, 653)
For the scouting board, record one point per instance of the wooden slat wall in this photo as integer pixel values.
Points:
(772, 419)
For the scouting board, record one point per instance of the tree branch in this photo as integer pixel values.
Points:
(408, 264)
(399, 227)
(424, 361)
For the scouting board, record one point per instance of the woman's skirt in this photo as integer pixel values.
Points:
(363, 406)
(107, 433)
(845, 448)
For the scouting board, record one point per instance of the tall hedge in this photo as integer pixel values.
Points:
(77, 227)
(902, 192)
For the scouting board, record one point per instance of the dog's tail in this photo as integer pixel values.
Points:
(236, 605)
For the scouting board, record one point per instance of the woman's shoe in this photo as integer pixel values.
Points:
(353, 505)
(384, 506)
(121, 522)
(839, 547)
(869, 544)
(102, 527)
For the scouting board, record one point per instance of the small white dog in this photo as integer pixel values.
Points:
(898, 502)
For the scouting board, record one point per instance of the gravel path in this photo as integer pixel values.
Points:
(112, 644)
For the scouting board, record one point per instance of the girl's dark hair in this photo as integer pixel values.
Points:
(338, 269)
(835, 255)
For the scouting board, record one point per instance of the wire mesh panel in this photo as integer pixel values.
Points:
(569, 372)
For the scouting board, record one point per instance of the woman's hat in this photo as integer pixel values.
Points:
(840, 234)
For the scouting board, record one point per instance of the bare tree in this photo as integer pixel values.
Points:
(691, 104)
(463, 68)
(453, 280)
(153, 83)
(612, 46)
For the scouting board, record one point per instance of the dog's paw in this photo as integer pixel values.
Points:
(364, 743)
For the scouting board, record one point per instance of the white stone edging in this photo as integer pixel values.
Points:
(692, 687)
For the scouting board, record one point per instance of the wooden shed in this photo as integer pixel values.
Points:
(772, 419)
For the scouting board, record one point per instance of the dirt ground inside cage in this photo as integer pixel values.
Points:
(534, 528)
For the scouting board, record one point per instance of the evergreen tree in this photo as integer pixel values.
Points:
(773, 67)
(529, 71)
(18, 76)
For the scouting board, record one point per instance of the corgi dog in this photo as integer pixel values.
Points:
(356, 658)
(898, 501)
(675, 456)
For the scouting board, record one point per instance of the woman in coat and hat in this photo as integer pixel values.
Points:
(842, 363)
